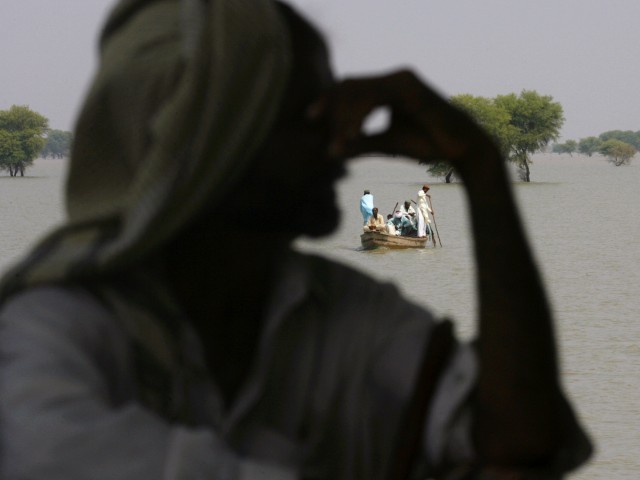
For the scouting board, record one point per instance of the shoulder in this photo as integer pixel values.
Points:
(348, 293)
(58, 311)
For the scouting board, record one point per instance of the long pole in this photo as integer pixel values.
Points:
(434, 219)
(394, 208)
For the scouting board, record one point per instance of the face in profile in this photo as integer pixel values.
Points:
(292, 173)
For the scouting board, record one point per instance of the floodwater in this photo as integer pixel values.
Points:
(581, 216)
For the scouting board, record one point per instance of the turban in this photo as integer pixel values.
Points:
(185, 93)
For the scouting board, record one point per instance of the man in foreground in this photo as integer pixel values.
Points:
(137, 342)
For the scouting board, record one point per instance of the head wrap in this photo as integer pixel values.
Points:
(185, 93)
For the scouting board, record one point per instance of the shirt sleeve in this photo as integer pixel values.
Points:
(66, 408)
(447, 435)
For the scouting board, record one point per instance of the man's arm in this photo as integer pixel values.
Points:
(518, 401)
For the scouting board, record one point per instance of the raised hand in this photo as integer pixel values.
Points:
(422, 125)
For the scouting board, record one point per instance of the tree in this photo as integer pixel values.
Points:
(521, 125)
(492, 118)
(589, 145)
(489, 115)
(22, 138)
(617, 151)
(537, 120)
(570, 146)
(58, 144)
(627, 136)
(9, 150)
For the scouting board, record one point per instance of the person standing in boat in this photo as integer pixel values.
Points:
(375, 223)
(424, 210)
(366, 205)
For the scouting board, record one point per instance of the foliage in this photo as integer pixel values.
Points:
(570, 147)
(617, 151)
(441, 168)
(520, 124)
(495, 120)
(58, 144)
(21, 138)
(589, 145)
(619, 146)
(626, 136)
(537, 120)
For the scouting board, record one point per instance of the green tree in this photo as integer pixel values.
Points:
(493, 119)
(570, 147)
(617, 151)
(626, 136)
(58, 144)
(537, 120)
(589, 145)
(22, 138)
(521, 125)
(489, 115)
(9, 149)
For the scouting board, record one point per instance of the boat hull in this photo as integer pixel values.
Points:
(371, 240)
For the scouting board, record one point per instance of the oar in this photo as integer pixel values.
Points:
(434, 219)
(394, 208)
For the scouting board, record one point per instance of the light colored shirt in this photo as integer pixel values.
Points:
(366, 206)
(378, 223)
(408, 211)
(335, 367)
(423, 205)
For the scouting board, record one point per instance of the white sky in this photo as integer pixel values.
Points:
(584, 53)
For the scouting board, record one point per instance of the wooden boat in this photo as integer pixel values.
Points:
(371, 240)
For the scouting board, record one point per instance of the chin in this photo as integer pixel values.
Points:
(322, 228)
(318, 215)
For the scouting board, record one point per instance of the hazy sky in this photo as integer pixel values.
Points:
(584, 53)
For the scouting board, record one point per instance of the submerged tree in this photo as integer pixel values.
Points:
(626, 136)
(537, 120)
(589, 145)
(617, 151)
(489, 116)
(57, 145)
(21, 138)
(520, 124)
(570, 147)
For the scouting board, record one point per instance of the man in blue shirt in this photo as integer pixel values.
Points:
(366, 206)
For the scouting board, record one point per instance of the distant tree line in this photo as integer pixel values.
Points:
(25, 135)
(618, 146)
(520, 124)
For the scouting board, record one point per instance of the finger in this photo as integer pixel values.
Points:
(347, 106)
